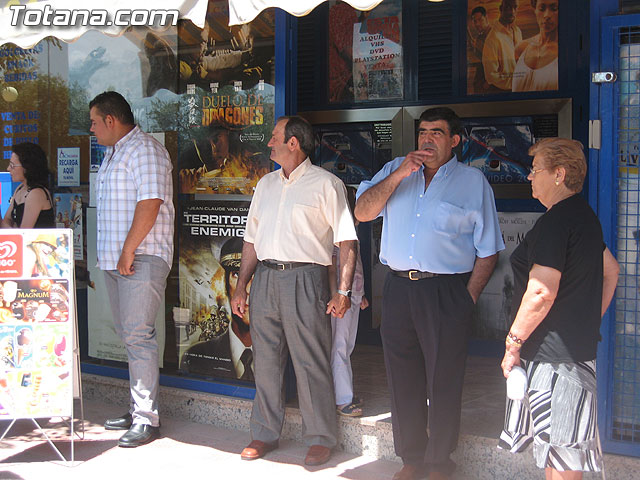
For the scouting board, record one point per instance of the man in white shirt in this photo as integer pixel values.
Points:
(297, 215)
(498, 53)
(135, 250)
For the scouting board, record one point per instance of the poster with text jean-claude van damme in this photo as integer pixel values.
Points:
(211, 339)
(37, 305)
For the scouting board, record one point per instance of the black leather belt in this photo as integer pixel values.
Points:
(275, 265)
(414, 274)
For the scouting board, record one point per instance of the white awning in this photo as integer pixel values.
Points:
(135, 10)
(243, 11)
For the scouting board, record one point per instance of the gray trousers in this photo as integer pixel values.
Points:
(287, 310)
(135, 300)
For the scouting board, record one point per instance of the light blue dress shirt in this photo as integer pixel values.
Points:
(442, 229)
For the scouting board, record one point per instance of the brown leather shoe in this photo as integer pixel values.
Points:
(317, 455)
(410, 472)
(257, 449)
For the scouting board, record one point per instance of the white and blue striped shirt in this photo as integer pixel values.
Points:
(137, 168)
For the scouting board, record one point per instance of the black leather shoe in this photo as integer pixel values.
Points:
(121, 423)
(139, 434)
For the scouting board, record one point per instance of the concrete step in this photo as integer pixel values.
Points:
(477, 456)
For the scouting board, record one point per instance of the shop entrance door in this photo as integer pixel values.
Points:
(618, 200)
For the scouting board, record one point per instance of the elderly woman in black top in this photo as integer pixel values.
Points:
(31, 205)
(564, 280)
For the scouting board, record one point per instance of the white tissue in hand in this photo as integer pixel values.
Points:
(516, 383)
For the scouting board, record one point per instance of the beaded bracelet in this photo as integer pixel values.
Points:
(515, 339)
(510, 343)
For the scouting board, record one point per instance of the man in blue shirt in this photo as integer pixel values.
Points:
(441, 239)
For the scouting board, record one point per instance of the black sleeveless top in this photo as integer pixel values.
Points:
(46, 218)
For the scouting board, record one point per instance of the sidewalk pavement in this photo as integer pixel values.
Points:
(185, 450)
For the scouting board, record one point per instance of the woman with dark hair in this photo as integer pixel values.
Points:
(564, 279)
(31, 205)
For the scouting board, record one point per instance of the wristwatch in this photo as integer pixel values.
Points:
(346, 293)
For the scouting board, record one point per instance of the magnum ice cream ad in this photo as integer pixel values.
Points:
(36, 324)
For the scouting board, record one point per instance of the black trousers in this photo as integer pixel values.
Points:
(425, 331)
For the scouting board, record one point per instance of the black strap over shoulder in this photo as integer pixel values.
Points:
(46, 192)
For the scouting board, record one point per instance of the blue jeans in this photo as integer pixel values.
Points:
(135, 300)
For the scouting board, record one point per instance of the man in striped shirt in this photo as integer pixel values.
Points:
(135, 221)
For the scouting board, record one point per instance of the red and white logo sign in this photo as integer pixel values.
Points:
(10, 256)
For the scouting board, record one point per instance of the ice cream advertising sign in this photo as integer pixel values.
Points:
(36, 324)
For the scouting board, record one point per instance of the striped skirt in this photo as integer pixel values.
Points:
(558, 415)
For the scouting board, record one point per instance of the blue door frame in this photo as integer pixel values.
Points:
(605, 163)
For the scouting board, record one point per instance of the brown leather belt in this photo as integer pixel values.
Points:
(414, 274)
(275, 265)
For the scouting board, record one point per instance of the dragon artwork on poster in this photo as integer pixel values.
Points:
(227, 111)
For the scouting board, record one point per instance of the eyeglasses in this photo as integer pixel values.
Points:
(533, 171)
(13, 165)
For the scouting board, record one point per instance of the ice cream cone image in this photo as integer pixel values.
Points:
(23, 341)
(21, 355)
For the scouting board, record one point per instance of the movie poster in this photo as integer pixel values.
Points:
(219, 54)
(141, 64)
(365, 53)
(68, 208)
(511, 46)
(224, 151)
(499, 146)
(211, 341)
(36, 324)
(227, 81)
(494, 306)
